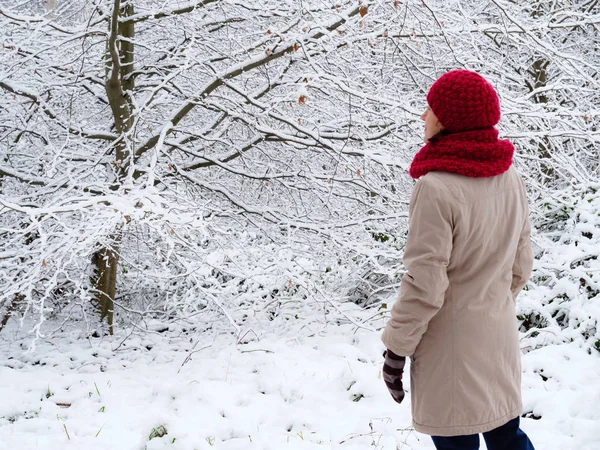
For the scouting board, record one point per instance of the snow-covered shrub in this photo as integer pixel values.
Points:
(562, 303)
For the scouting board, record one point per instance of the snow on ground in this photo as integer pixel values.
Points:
(294, 390)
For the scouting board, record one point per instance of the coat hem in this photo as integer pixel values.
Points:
(469, 429)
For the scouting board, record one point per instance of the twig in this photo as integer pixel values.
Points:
(189, 357)
(257, 350)
(249, 330)
(65, 427)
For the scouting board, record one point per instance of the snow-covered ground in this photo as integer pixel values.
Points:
(296, 389)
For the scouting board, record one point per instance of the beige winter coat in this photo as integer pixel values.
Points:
(468, 254)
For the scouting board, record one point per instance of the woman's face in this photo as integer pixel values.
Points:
(432, 124)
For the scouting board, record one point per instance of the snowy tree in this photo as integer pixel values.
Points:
(163, 159)
(144, 138)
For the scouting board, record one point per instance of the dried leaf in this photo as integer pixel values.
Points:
(361, 24)
(358, 172)
(296, 46)
(586, 118)
(171, 231)
(43, 263)
(395, 3)
(268, 51)
(269, 32)
(363, 11)
(127, 219)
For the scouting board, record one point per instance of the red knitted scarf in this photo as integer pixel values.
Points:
(475, 153)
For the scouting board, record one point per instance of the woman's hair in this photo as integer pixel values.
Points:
(442, 133)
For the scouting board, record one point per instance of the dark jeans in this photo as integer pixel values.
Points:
(507, 437)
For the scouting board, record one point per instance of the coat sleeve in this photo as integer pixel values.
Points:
(523, 264)
(426, 258)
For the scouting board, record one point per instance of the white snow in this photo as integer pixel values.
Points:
(294, 389)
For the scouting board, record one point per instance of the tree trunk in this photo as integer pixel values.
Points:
(9, 311)
(539, 73)
(119, 82)
(126, 50)
(105, 282)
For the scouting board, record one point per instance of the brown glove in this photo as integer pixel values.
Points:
(393, 368)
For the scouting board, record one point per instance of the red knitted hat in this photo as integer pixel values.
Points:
(463, 100)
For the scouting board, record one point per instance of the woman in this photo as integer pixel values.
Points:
(467, 255)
